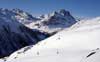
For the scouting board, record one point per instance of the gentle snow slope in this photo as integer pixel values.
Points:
(70, 45)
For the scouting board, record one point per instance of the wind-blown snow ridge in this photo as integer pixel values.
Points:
(93, 56)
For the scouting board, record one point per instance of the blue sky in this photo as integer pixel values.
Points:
(82, 8)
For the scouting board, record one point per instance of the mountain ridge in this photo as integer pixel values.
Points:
(54, 22)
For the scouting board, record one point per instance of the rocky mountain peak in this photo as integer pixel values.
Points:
(64, 12)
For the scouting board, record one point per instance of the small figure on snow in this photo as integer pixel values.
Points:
(38, 53)
(57, 52)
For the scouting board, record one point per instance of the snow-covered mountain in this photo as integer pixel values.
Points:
(14, 35)
(69, 45)
(53, 22)
(20, 15)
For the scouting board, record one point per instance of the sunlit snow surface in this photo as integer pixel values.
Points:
(70, 45)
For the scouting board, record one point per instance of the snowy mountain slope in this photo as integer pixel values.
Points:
(14, 35)
(86, 29)
(54, 22)
(70, 45)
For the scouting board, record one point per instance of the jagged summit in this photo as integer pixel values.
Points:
(64, 12)
(61, 12)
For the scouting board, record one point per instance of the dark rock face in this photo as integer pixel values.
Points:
(12, 41)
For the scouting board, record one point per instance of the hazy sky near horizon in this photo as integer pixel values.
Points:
(82, 8)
